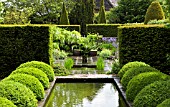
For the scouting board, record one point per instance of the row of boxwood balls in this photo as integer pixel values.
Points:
(145, 86)
(24, 87)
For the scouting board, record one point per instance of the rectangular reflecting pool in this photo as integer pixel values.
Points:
(85, 95)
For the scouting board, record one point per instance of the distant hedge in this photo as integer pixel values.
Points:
(47, 69)
(107, 30)
(153, 94)
(18, 93)
(39, 74)
(4, 102)
(29, 81)
(146, 43)
(22, 43)
(70, 27)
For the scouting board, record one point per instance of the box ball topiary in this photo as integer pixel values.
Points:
(165, 103)
(137, 83)
(135, 71)
(4, 102)
(39, 74)
(153, 94)
(130, 65)
(29, 81)
(47, 69)
(18, 93)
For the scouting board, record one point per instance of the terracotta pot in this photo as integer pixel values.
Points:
(93, 53)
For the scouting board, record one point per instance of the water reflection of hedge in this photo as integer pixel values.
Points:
(72, 93)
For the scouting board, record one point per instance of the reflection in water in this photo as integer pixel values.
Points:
(84, 95)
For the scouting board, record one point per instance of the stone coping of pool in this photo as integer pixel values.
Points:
(87, 77)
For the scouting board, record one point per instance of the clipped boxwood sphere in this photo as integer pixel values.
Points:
(130, 65)
(153, 94)
(30, 81)
(165, 103)
(18, 93)
(133, 72)
(47, 69)
(4, 102)
(39, 74)
(137, 83)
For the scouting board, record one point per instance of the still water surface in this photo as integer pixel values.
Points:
(84, 95)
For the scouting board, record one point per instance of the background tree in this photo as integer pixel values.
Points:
(64, 16)
(154, 11)
(42, 11)
(102, 16)
(129, 11)
(82, 14)
(1, 11)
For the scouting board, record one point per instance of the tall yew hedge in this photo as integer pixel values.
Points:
(149, 44)
(22, 43)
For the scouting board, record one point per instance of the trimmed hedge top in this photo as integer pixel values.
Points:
(153, 94)
(129, 65)
(47, 69)
(39, 74)
(135, 71)
(18, 93)
(137, 83)
(30, 81)
(165, 103)
(4, 102)
(107, 30)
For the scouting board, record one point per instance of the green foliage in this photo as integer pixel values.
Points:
(103, 29)
(105, 53)
(23, 43)
(60, 54)
(165, 103)
(130, 73)
(154, 11)
(115, 67)
(68, 63)
(4, 102)
(137, 83)
(153, 94)
(47, 69)
(18, 93)
(100, 63)
(129, 65)
(153, 50)
(129, 11)
(70, 27)
(64, 16)
(60, 70)
(39, 74)
(29, 81)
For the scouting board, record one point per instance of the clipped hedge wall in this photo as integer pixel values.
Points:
(153, 94)
(29, 81)
(39, 74)
(137, 83)
(135, 71)
(22, 43)
(129, 65)
(165, 103)
(146, 43)
(70, 27)
(107, 30)
(18, 93)
(4, 102)
(47, 69)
